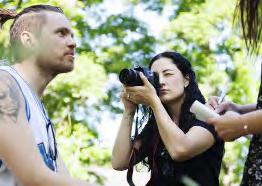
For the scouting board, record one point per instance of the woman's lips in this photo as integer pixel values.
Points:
(163, 91)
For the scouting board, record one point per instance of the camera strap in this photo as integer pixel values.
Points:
(136, 125)
(132, 159)
(130, 170)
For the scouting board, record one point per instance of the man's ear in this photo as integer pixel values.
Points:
(27, 40)
(186, 81)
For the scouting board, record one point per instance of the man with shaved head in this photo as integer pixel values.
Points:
(42, 44)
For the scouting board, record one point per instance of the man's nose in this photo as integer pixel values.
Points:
(71, 42)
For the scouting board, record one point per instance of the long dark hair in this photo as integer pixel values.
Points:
(186, 118)
(192, 91)
(248, 13)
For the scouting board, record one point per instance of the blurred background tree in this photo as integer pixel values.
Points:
(112, 35)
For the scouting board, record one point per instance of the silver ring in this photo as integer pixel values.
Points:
(128, 95)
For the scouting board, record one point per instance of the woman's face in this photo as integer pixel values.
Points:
(172, 81)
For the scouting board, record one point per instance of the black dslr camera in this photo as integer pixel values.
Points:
(131, 77)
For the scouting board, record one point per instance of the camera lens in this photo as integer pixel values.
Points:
(130, 77)
(126, 76)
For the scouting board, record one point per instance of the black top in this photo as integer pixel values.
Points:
(203, 169)
(253, 166)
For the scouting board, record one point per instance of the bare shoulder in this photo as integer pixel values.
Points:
(10, 98)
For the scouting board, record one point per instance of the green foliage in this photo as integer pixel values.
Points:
(123, 49)
(154, 5)
(76, 145)
(200, 30)
(70, 91)
(234, 159)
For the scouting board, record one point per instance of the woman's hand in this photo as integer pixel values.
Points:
(223, 107)
(145, 94)
(130, 106)
(228, 126)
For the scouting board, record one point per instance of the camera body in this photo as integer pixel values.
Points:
(131, 77)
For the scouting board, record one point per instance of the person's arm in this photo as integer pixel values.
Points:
(253, 121)
(180, 146)
(229, 106)
(122, 147)
(18, 149)
(243, 109)
(233, 125)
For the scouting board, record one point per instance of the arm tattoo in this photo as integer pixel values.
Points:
(128, 117)
(9, 99)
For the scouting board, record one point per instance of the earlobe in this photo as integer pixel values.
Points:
(186, 82)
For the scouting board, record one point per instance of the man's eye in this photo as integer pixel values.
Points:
(61, 33)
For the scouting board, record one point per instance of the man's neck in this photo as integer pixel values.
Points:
(35, 77)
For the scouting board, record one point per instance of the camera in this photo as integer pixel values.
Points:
(131, 77)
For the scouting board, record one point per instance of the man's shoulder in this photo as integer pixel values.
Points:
(4, 72)
(7, 80)
(10, 96)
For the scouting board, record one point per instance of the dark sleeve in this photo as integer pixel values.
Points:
(208, 127)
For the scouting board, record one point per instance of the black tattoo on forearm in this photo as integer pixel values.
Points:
(9, 99)
(128, 117)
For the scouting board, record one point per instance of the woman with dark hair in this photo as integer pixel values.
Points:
(174, 144)
(241, 120)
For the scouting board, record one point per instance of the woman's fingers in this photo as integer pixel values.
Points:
(212, 102)
(144, 79)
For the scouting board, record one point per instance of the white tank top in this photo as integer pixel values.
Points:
(40, 124)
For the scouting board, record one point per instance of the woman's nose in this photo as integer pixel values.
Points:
(161, 80)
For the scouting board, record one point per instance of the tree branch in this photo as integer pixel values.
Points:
(19, 4)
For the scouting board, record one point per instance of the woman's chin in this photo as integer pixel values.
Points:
(164, 99)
